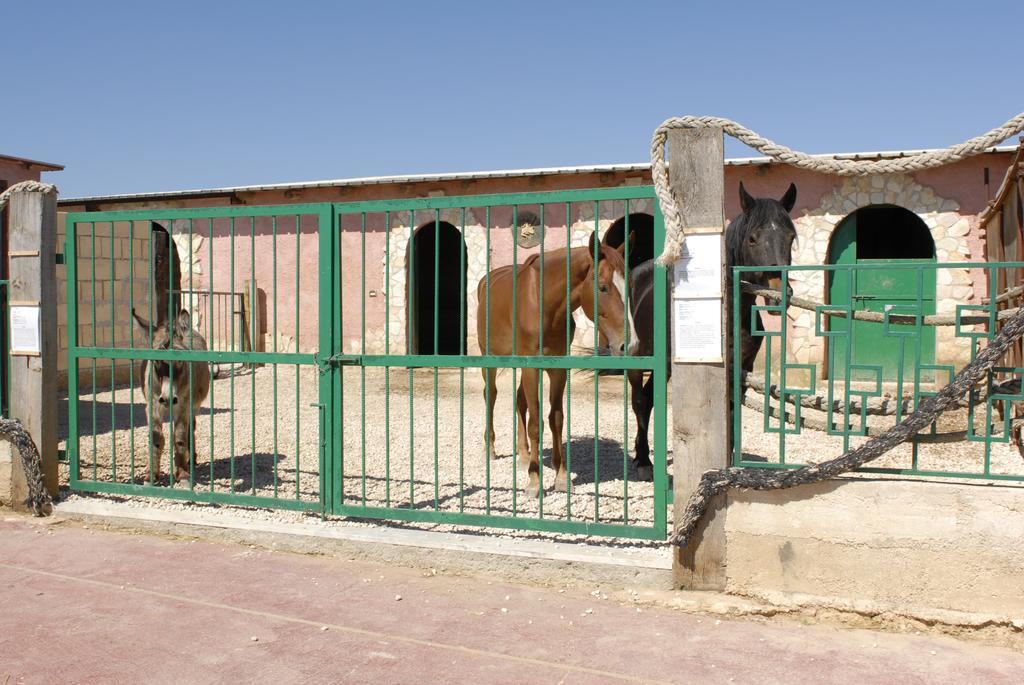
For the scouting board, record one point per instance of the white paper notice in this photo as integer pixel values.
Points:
(697, 330)
(698, 273)
(25, 330)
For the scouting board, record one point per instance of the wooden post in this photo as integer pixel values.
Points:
(252, 325)
(32, 253)
(700, 407)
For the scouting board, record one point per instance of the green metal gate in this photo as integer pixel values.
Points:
(385, 387)
(806, 416)
(256, 443)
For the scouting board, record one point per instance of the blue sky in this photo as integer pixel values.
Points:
(149, 96)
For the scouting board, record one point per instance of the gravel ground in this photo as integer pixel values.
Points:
(378, 470)
(282, 441)
(813, 446)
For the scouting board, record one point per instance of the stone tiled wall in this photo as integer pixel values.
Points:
(949, 229)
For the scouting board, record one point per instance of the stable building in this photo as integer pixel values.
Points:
(931, 216)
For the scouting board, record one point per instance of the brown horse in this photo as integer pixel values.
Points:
(608, 311)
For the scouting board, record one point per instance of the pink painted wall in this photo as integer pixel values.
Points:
(962, 182)
(294, 264)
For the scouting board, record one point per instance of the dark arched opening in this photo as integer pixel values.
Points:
(436, 315)
(642, 227)
(876, 237)
(641, 249)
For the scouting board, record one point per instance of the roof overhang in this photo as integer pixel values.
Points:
(640, 167)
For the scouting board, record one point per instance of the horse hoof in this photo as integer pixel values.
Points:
(560, 484)
(533, 491)
(645, 472)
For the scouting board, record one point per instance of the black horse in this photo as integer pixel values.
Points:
(762, 235)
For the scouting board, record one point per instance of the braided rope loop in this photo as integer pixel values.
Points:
(25, 187)
(828, 165)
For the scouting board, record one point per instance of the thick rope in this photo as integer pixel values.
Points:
(818, 424)
(714, 482)
(38, 500)
(876, 406)
(828, 165)
(25, 187)
(876, 317)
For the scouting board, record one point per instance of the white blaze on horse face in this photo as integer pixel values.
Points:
(620, 283)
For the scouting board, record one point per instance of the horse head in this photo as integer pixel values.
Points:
(763, 236)
(608, 311)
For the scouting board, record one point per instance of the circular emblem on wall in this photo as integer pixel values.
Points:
(528, 230)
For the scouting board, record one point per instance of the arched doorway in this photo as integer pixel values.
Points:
(881, 235)
(436, 315)
(641, 226)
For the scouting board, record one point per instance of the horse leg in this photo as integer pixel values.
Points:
(642, 396)
(522, 445)
(555, 420)
(490, 395)
(529, 426)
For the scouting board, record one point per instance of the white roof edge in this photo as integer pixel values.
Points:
(473, 175)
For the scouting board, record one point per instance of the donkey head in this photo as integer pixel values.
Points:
(168, 379)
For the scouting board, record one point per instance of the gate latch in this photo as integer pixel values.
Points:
(325, 363)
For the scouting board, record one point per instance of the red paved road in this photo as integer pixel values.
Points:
(88, 606)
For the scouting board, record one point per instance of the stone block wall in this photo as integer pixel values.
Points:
(950, 230)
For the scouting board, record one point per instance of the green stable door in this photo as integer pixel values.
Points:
(888, 242)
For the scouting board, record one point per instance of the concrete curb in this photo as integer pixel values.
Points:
(535, 561)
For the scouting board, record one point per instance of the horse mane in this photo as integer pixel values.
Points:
(641, 270)
(737, 232)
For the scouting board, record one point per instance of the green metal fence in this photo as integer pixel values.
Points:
(830, 381)
(257, 441)
(369, 401)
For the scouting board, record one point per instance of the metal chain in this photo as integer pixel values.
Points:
(828, 165)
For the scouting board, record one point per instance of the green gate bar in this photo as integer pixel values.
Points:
(89, 349)
(335, 423)
(521, 513)
(855, 367)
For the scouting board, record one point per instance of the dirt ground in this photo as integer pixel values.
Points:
(402, 448)
(434, 460)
